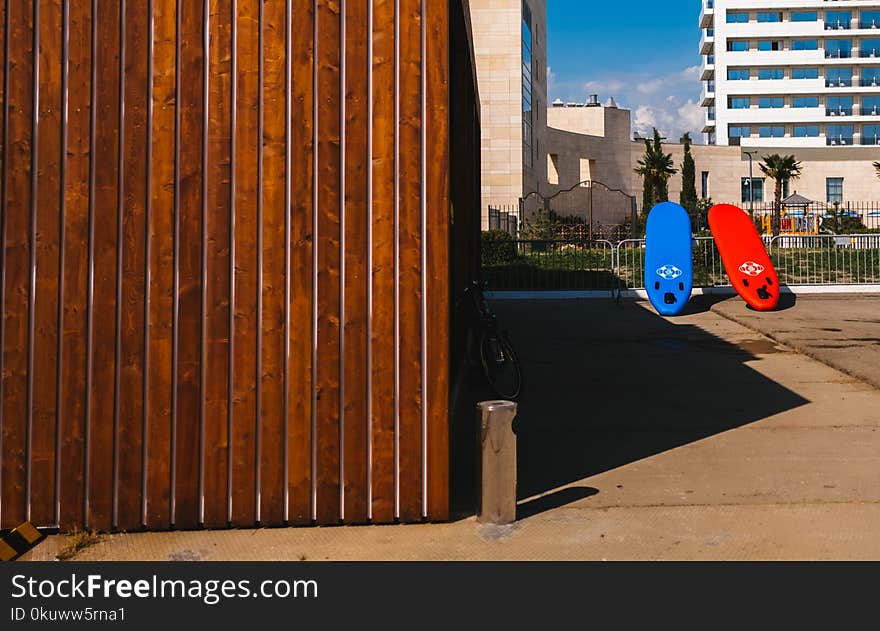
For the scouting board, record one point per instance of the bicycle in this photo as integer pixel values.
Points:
(499, 362)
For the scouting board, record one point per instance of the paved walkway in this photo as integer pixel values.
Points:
(639, 437)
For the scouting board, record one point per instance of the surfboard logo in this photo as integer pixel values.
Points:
(669, 272)
(751, 268)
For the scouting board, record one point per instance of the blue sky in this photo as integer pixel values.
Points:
(643, 53)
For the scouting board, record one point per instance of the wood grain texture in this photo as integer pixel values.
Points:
(327, 241)
(105, 162)
(302, 211)
(134, 229)
(354, 319)
(219, 208)
(161, 267)
(186, 513)
(247, 143)
(383, 343)
(75, 267)
(409, 263)
(48, 238)
(16, 252)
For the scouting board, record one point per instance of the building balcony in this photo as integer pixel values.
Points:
(707, 97)
(707, 14)
(708, 70)
(707, 41)
(839, 111)
(840, 141)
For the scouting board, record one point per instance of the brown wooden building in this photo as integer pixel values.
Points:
(228, 256)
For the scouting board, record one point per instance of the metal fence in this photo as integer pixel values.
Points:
(506, 219)
(820, 217)
(602, 265)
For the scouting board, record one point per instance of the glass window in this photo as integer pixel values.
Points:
(838, 48)
(838, 77)
(770, 17)
(837, 19)
(740, 103)
(871, 135)
(805, 101)
(839, 105)
(737, 46)
(739, 131)
(770, 73)
(773, 102)
(737, 74)
(870, 76)
(806, 131)
(834, 189)
(870, 48)
(757, 189)
(769, 45)
(804, 16)
(805, 44)
(527, 85)
(704, 189)
(737, 17)
(839, 134)
(870, 19)
(804, 73)
(771, 131)
(870, 105)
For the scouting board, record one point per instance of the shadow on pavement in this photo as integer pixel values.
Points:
(607, 384)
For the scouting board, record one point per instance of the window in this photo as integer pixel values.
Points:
(870, 105)
(839, 134)
(739, 131)
(805, 101)
(756, 194)
(704, 187)
(587, 168)
(771, 131)
(839, 106)
(870, 76)
(552, 168)
(771, 102)
(770, 17)
(739, 103)
(804, 16)
(805, 73)
(871, 135)
(737, 17)
(770, 73)
(838, 48)
(834, 189)
(838, 77)
(806, 131)
(870, 48)
(837, 19)
(870, 19)
(805, 44)
(769, 45)
(738, 74)
(737, 46)
(527, 84)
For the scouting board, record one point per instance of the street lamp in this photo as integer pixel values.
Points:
(751, 185)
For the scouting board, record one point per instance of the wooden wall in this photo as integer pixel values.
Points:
(225, 276)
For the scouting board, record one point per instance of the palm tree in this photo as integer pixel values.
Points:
(877, 166)
(780, 169)
(655, 167)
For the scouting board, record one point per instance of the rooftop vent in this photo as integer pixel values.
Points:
(611, 102)
(558, 103)
(593, 100)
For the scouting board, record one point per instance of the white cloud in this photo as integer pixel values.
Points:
(668, 102)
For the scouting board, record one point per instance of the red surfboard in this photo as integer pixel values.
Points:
(744, 256)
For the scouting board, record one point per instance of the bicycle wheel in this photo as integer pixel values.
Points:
(500, 365)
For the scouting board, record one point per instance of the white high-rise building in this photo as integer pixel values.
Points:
(792, 73)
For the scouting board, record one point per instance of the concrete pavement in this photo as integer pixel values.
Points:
(639, 437)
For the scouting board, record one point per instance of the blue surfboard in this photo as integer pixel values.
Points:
(669, 270)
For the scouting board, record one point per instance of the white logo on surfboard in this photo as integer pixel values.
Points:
(751, 268)
(669, 272)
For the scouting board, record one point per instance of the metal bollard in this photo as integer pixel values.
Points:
(497, 463)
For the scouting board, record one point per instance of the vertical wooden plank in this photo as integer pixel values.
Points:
(272, 326)
(382, 425)
(301, 251)
(16, 214)
(134, 179)
(158, 434)
(329, 260)
(105, 170)
(186, 512)
(48, 233)
(410, 282)
(437, 256)
(246, 326)
(75, 266)
(355, 253)
(218, 190)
